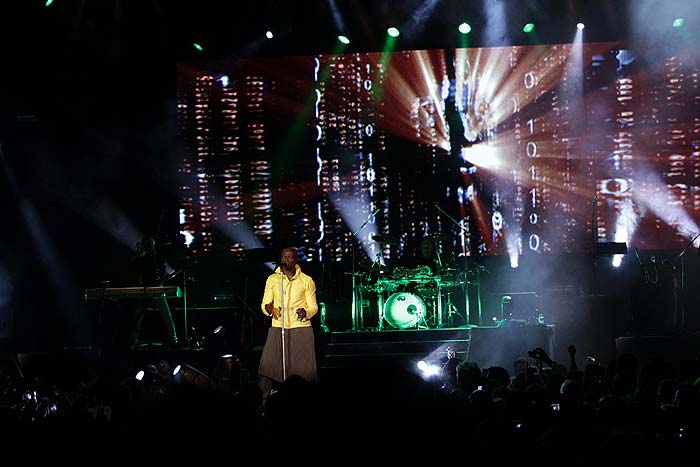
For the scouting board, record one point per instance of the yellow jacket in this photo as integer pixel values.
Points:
(299, 292)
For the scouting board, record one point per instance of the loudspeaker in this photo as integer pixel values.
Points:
(500, 346)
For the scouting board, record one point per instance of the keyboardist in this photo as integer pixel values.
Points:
(149, 268)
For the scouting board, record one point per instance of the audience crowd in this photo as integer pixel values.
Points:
(538, 409)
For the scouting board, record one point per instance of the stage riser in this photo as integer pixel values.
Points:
(395, 336)
(487, 346)
(363, 349)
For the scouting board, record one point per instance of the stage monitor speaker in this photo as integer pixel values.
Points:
(500, 346)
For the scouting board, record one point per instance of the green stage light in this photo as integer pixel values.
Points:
(344, 39)
(197, 46)
(393, 32)
(678, 22)
(49, 2)
(465, 28)
(529, 27)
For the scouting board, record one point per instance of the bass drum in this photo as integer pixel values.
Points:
(404, 310)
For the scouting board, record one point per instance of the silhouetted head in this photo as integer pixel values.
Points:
(427, 249)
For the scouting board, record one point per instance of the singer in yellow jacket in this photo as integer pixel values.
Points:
(290, 296)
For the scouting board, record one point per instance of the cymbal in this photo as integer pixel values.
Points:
(385, 239)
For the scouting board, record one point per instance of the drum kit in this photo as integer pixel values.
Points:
(407, 297)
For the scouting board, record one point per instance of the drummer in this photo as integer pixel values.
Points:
(425, 258)
(429, 255)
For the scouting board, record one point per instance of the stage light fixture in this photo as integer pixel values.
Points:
(393, 32)
(529, 27)
(269, 35)
(139, 375)
(49, 2)
(616, 261)
(427, 370)
(678, 23)
(514, 261)
(186, 374)
(344, 39)
(228, 367)
(580, 26)
(464, 28)
(198, 47)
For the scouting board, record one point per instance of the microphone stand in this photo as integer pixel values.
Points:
(282, 313)
(466, 268)
(354, 313)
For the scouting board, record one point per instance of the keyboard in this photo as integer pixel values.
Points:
(171, 291)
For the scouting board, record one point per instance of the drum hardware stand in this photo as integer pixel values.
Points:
(439, 286)
(439, 305)
(466, 269)
(425, 323)
(422, 320)
(185, 280)
(433, 316)
(379, 292)
(452, 310)
(357, 316)
(380, 309)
